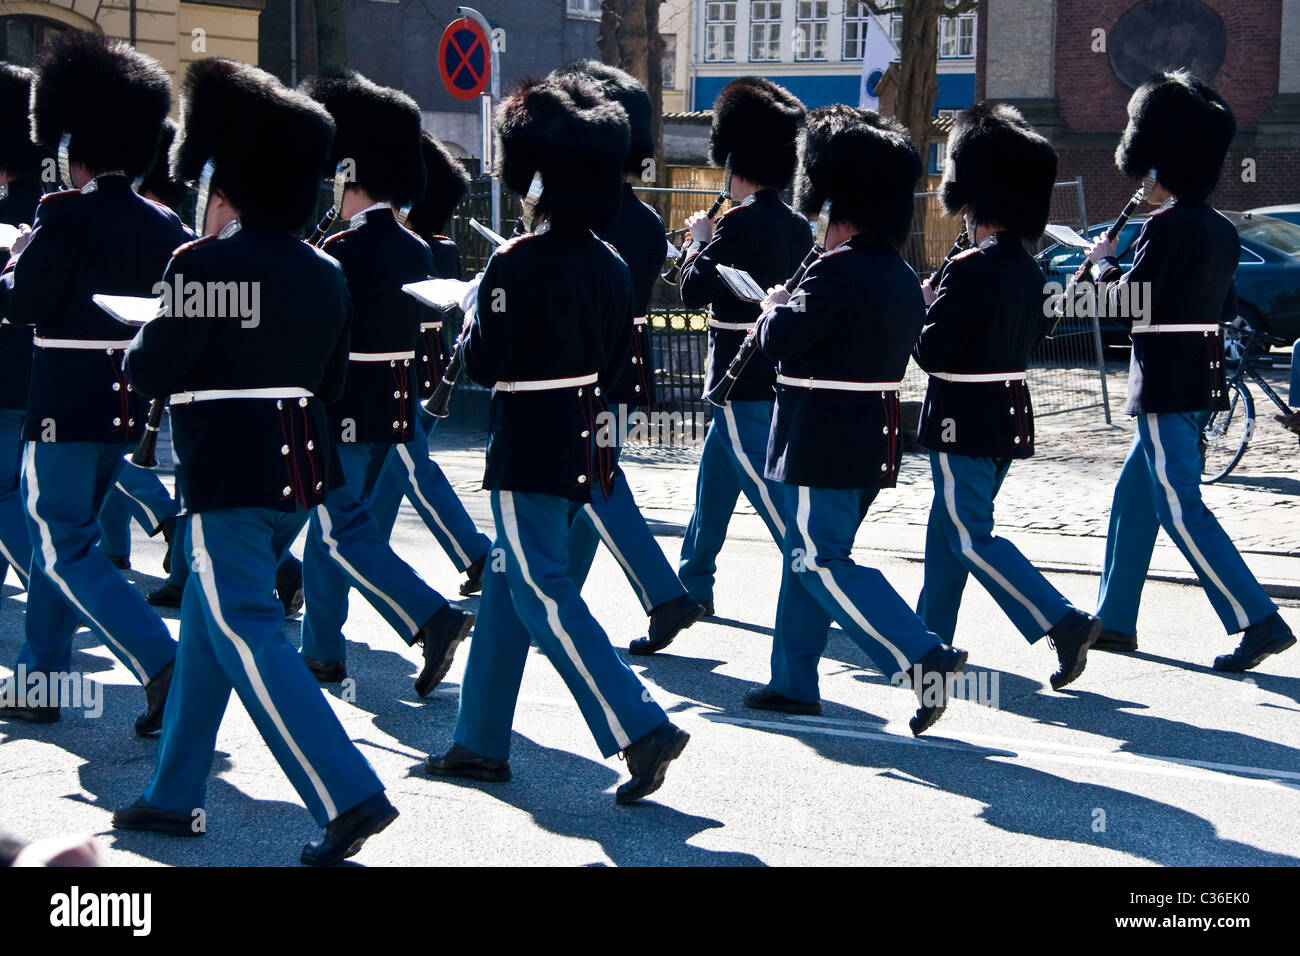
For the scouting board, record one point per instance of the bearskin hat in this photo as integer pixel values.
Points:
(757, 124)
(158, 180)
(378, 128)
(269, 145)
(446, 183)
(109, 97)
(864, 164)
(19, 156)
(999, 169)
(1181, 128)
(575, 138)
(627, 91)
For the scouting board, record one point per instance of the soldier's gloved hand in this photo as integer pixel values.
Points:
(777, 295)
(700, 225)
(928, 292)
(470, 298)
(1103, 248)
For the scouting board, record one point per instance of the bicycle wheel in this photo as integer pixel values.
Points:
(1226, 435)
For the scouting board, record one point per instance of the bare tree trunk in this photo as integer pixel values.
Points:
(630, 40)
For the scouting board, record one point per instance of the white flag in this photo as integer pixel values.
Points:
(878, 53)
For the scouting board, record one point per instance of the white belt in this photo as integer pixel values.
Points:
(640, 320)
(546, 384)
(979, 377)
(81, 345)
(426, 326)
(834, 386)
(381, 356)
(1189, 327)
(216, 394)
(733, 326)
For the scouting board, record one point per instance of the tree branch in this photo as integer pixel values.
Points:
(878, 10)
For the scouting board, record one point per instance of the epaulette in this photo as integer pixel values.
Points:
(55, 195)
(723, 215)
(193, 244)
(514, 241)
(973, 251)
(835, 252)
(443, 239)
(337, 235)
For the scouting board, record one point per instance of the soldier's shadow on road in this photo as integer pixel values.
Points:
(1273, 683)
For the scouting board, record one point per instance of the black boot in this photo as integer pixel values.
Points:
(143, 816)
(943, 661)
(666, 622)
(648, 760)
(118, 561)
(1269, 636)
(327, 672)
(288, 585)
(764, 698)
(345, 834)
(168, 529)
(1115, 641)
(1072, 636)
(28, 713)
(155, 695)
(169, 595)
(473, 582)
(467, 765)
(708, 609)
(441, 635)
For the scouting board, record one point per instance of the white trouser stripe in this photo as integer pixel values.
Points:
(22, 572)
(409, 462)
(553, 621)
(49, 561)
(618, 555)
(153, 518)
(332, 546)
(1176, 510)
(249, 662)
(968, 548)
(832, 586)
(733, 433)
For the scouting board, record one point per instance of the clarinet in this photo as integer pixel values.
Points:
(672, 275)
(146, 452)
(961, 244)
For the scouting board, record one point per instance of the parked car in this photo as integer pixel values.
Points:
(1268, 277)
(1290, 213)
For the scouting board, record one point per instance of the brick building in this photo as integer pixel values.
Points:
(1071, 66)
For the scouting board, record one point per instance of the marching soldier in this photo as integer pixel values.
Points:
(841, 340)
(553, 319)
(755, 128)
(985, 316)
(637, 235)
(255, 452)
(102, 104)
(379, 134)
(1179, 129)
(20, 191)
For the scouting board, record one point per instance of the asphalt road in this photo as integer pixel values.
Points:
(1146, 759)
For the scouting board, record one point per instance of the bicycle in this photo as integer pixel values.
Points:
(1226, 435)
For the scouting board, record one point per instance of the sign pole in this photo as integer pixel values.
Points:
(470, 13)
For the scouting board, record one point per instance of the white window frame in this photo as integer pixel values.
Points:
(806, 29)
(768, 27)
(582, 9)
(669, 75)
(858, 16)
(952, 26)
(715, 51)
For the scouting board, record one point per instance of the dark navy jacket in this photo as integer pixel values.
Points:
(431, 353)
(1186, 254)
(18, 206)
(378, 257)
(252, 452)
(767, 239)
(987, 318)
(551, 305)
(638, 237)
(107, 240)
(852, 319)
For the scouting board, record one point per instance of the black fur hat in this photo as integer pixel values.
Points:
(864, 164)
(627, 91)
(1180, 127)
(757, 123)
(999, 169)
(447, 182)
(378, 128)
(108, 96)
(19, 156)
(270, 145)
(575, 138)
(158, 180)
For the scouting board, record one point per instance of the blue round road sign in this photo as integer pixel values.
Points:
(464, 60)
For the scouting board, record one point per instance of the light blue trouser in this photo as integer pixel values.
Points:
(732, 460)
(527, 593)
(959, 540)
(15, 545)
(137, 493)
(64, 484)
(1160, 487)
(344, 549)
(410, 472)
(821, 583)
(232, 637)
(618, 522)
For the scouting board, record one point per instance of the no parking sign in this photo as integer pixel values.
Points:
(464, 59)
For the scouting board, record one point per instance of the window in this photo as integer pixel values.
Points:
(941, 147)
(856, 19)
(765, 30)
(21, 37)
(812, 29)
(670, 60)
(957, 37)
(719, 32)
(587, 9)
